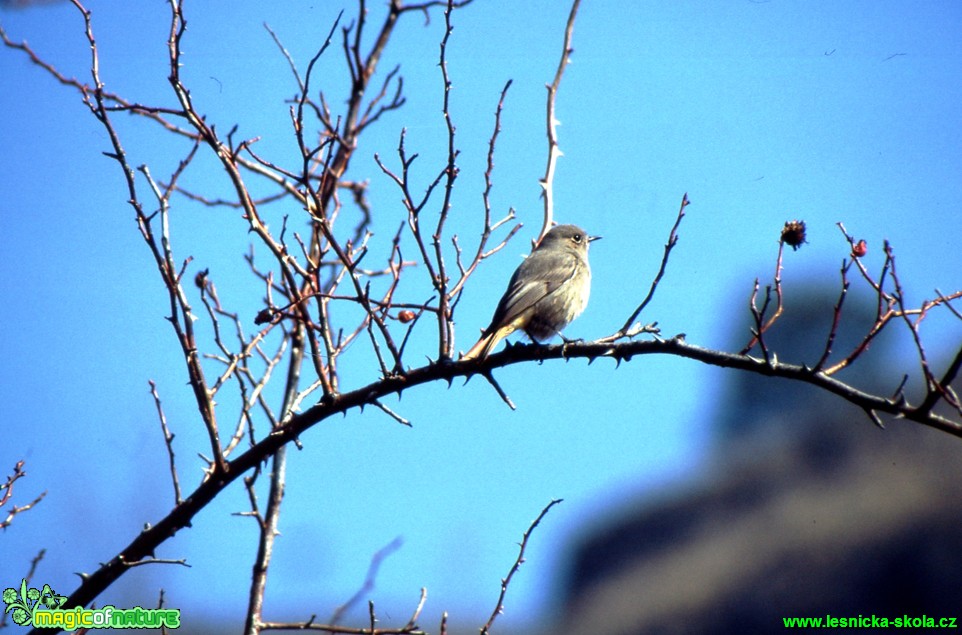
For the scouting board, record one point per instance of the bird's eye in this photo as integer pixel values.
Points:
(577, 238)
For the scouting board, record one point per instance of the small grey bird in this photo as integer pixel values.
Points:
(547, 291)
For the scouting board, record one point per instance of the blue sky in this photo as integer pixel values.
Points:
(761, 111)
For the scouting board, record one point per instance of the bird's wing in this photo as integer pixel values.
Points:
(525, 289)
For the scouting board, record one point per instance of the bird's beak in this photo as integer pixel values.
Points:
(593, 238)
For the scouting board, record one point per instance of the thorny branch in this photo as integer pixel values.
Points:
(499, 606)
(488, 227)
(445, 328)
(554, 150)
(180, 517)
(315, 286)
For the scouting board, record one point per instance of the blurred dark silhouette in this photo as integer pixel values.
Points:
(27, 4)
(806, 509)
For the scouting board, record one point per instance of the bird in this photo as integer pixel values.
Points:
(546, 292)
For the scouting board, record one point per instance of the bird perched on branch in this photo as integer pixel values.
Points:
(547, 291)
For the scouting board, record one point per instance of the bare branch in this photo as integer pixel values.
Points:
(287, 56)
(6, 491)
(181, 316)
(672, 241)
(440, 281)
(369, 579)
(497, 387)
(554, 151)
(499, 606)
(481, 254)
(392, 414)
(836, 317)
(168, 441)
(763, 325)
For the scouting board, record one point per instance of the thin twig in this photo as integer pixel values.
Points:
(499, 606)
(7, 490)
(669, 245)
(836, 317)
(497, 387)
(554, 151)
(168, 441)
(480, 253)
(392, 414)
(761, 326)
(369, 579)
(268, 525)
(445, 328)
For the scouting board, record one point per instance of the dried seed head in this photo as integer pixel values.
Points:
(793, 234)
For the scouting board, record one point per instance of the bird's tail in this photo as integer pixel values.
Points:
(485, 345)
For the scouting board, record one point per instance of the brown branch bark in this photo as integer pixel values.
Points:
(181, 516)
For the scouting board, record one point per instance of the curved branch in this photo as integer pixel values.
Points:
(181, 516)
